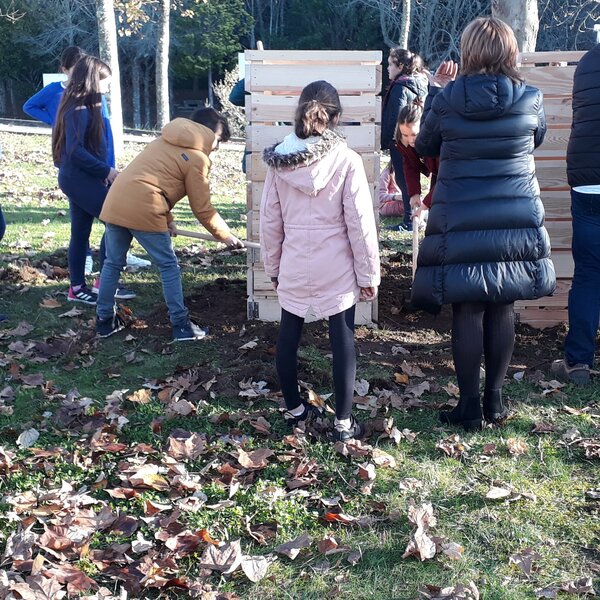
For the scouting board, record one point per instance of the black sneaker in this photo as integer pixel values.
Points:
(123, 293)
(106, 327)
(356, 431)
(309, 411)
(83, 294)
(188, 332)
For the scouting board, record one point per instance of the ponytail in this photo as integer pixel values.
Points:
(318, 109)
(408, 62)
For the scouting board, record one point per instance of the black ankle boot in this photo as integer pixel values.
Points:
(494, 410)
(467, 414)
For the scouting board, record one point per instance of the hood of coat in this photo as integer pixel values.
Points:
(417, 84)
(483, 97)
(306, 165)
(186, 133)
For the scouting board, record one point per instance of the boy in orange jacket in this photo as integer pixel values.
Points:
(139, 206)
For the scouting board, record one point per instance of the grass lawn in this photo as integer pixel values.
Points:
(122, 461)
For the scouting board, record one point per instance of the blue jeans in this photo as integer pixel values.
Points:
(398, 164)
(584, 296)
(159, 248)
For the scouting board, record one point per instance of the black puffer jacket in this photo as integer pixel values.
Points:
(402, 91)
(583, 152)
(485, 240)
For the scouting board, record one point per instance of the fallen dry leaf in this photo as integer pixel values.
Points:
(516, 447)
(524, 560)
(255, 459)
(293, 548)
(28, 438)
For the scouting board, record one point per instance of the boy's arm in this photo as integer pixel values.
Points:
(198, 193)
(37, 107)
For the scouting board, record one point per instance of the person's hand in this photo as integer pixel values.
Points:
(112, 175)
(445, 73)
(275, 283)
(232, 242)
(415, 201)
(172, 229)
(367, 294)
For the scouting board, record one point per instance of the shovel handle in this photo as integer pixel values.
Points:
(210, 238)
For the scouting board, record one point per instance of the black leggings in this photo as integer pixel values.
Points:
(480, 328)
(341, 336)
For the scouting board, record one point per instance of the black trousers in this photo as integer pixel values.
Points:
(341, 337)
(480, 328)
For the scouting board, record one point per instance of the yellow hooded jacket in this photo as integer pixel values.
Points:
(169, 168)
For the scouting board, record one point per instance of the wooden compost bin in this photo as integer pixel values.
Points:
(552, 72)
(275, 79)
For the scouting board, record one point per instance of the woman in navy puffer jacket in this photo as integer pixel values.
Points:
(485, 244)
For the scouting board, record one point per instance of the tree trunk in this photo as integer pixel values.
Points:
(3, 101)
(147, 111)
(135, 93)
(522, 16)
(163, 113)
(211, 98)
(107, 38)
(405, 23)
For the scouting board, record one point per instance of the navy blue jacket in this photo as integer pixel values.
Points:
(485, 240)
(402, 91)
(77, 156)
(583, 152)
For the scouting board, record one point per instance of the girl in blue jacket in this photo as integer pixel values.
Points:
(83, 151)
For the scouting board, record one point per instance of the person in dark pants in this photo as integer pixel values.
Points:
(82, 148)
(583, 173)
(319, 246)
(485, 245)
(407, 83)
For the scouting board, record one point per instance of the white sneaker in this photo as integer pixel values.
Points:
(135, 262)
(89, 265)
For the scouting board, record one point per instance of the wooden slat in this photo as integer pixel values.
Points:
(293, 78)
(555, 143)
(560, 233)
(345, 57)
(532, 58)
(258, 169)
(551, 174)
(551, 80)
(269, 310)
(563, 263)
(268, 108)
(540, 318)
(559, 111)
(363, 138)
(557, 204)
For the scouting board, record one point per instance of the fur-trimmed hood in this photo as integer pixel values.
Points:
(307, 165)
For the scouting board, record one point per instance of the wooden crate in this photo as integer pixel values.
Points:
(275, 79)
(552, 72)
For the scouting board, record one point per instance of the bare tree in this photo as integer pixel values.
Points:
(107, 36)
(162, 65)
(394, 19)
(522, 16)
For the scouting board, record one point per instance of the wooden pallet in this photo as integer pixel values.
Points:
(275, 79)
(552, 72)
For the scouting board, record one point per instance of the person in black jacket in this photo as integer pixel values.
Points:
(407, 82)
(583, 173)
(485, 245)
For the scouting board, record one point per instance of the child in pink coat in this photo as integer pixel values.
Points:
(391, 203)
(319, 246)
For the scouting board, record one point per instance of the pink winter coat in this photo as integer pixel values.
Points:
(317, 226)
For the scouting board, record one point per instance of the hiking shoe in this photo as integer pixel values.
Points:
(89, 265)
(578, 374)
(309, 411)
(355, 432)
(188, 331)
(122, 292)
(135, 262)
(106, 327)
(83, 294)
